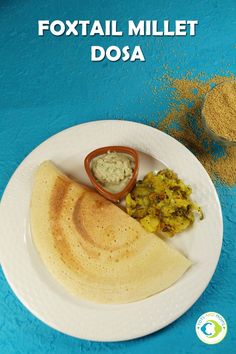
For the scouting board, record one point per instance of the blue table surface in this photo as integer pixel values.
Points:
(49, 83)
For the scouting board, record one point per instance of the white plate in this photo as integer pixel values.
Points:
(45, 298)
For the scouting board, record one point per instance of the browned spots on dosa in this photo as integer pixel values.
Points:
(64, 251)
(78, 221)
(59, 192)
(94, 233)
(83, 228)
(57, 200)
(101, 203)
(94, 222)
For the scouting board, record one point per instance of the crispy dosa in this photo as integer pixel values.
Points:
(92, 247)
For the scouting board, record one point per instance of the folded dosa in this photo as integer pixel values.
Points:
(92, 247)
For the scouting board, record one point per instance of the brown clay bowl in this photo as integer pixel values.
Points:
(114, 197)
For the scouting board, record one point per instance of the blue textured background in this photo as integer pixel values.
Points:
(48, 84)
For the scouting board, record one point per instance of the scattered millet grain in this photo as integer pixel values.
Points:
(183, 121)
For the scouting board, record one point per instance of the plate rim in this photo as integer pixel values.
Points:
(114, 338)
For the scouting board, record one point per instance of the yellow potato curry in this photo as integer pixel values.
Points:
(161, 202)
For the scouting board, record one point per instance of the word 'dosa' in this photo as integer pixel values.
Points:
(114, 53)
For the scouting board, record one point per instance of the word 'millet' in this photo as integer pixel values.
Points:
(110, 28)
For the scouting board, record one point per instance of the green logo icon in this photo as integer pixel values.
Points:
(211, 328)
